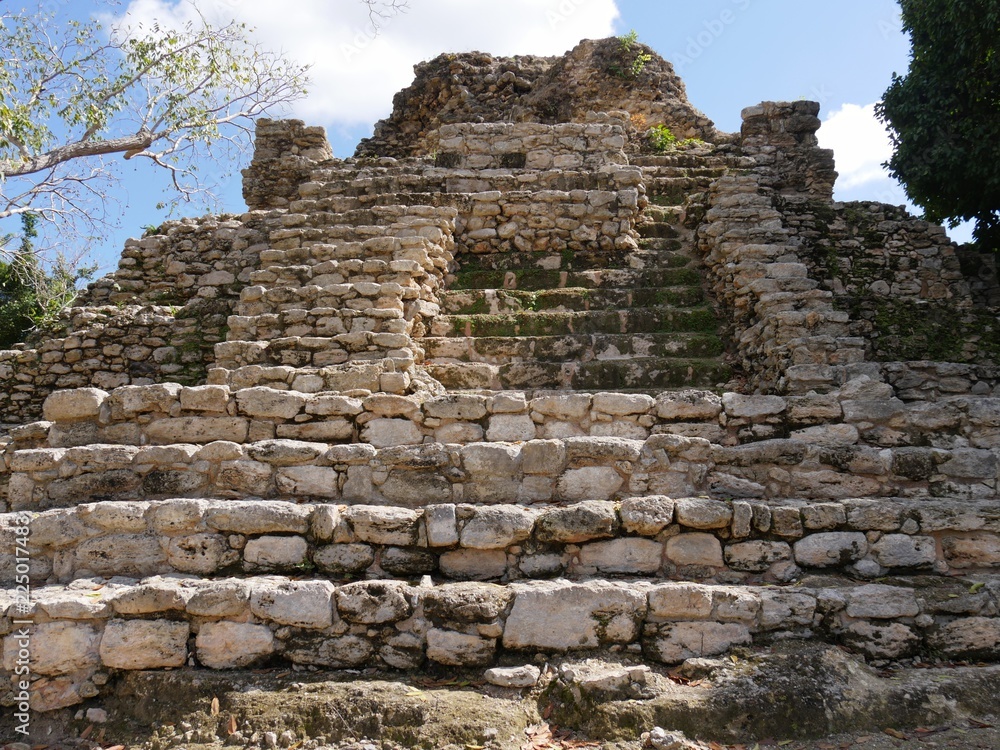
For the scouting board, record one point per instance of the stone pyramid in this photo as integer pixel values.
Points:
(510, 385)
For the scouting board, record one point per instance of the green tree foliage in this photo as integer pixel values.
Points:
(944, 114)
(73, 94)
(32, 296)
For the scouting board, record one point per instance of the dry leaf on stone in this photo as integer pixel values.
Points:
(87, 732)
(215, 706)
(896, 733)
(232, 725)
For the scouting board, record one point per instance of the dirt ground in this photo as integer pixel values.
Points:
(793, 697)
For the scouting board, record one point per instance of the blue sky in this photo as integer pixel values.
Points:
(730, 53)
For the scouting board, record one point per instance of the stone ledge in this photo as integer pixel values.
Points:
(659, 537)
(95, 627)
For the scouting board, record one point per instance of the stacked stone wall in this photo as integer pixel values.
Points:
(657, 537)
(83, 632)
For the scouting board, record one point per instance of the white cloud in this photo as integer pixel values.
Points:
(860, 145)
(356, 72)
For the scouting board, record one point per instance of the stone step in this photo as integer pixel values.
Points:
(498, 301)
(566, 349)
(736, 542)
(540, 279)
(691, 161)
(406, 458)
(674, 191)
(105, 625)
(543, 323)
(643, 373)
(663, 252)
(316, 351)
(657, 230)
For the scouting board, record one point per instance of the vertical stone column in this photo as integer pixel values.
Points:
(285, 153)
(781, 136)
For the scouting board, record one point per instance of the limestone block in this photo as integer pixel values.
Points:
(325, 651)
(830, 549)
(324, 522)
(202, 554)
(284, 452)
(121, 554)
(307, 481)
(332, 405)
(627, 555)
(543, 457)
(756, 556)
(374, 602)
(785, 609)
(412, 489)
(752, 407)
(384, 525)
(892, 640)
(388, 433)
(622, 404)
(695, 549)
(153, 595)
(570, 407)
(689, 405)
(881, 602)
(56, 528)
(456, 406)
(36, 459)
(822, 516)
(344, 559)
(254, 517)
(972, 551)
(210, 398)
(513, 677)
(578, 523)
(171, 516)
(903, 551)
(497, 527)
(459, 649)
(687, 640)
(703, 513)
(110, 516)
(233, 645)
(441, 525)
(144, 644)
(219, 598)
(486, 461)
(828, 436)
(466, 602)
(197, 430)
(473, 565)
(275, 552)
(78, 403)
(969, 638)
(510, 428)
(55, 648)
(459, 432)
(249, 477)
(679, 601)
(262, 401)
(590, 483)
(564, 616)
(304, 604)
(647, 516)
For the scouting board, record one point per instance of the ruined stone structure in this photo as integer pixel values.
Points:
(504, 388)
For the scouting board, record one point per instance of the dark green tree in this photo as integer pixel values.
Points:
(32, 295)
(944, 114)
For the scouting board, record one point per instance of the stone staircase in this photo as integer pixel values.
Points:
(455, 424)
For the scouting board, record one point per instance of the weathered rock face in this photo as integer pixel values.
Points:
(597, 75)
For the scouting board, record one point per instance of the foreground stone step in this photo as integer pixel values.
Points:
(540, 279)
(653, 536)
(93, 626)
(580, 350)
(499, 301)
(540, 323)
(615, 698)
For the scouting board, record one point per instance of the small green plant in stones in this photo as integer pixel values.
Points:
(662, 138)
